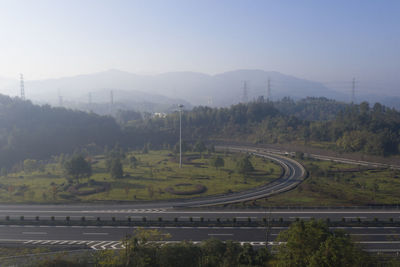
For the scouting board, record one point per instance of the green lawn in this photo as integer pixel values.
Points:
(156, 171)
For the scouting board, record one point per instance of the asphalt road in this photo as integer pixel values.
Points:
(373, 239)
(384, 239)
(124, 212)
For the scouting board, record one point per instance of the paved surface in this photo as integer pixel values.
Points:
(374, 239)
(124, 212)
(385, 239)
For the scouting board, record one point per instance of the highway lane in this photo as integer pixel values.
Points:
(385, 239)
(122, 214)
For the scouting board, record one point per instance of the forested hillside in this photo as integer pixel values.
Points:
(355, 128)
(30, 131)
(310, 108)
(37, 132)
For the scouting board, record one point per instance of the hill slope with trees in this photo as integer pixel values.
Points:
(37, 132)
(30, 131)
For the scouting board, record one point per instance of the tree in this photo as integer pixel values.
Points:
(3, 172)
(30, 165)
(199, 146)
(77, 167)
(133, 161)
(145, 149)
(244, 165)
(116, 169)
(313, 244)
(217, 162)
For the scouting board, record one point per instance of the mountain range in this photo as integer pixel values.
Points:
(168, 89)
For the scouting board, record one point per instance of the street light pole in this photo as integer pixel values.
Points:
(180, 135)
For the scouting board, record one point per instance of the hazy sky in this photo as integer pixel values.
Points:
(319, 40)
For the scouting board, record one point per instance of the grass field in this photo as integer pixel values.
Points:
(156, 171)
(337, 184)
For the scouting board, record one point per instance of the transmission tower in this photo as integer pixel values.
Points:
(245, 96)
(22, 87)
(269, 97)
(111, 101)
(210, 101)
(60, 99)
(353, 90)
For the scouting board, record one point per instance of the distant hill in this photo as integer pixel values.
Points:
(169, 89)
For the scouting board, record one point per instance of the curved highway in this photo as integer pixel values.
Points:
(293, 174)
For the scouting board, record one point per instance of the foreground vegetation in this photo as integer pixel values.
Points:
(143, 175)
(303, 244)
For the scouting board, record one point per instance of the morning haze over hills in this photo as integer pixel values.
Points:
(162, 92)
(199, 133)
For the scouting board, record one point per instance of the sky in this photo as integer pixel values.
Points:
(328, 41)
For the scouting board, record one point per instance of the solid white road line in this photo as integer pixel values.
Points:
(95, 233)
(34, 233)
(220, 234)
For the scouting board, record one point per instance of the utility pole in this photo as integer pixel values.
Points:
(267, 227)
(22, 87)
(353, 90)
(269, 98)
(180, 135)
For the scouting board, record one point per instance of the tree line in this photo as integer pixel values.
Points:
(29, 131)
(309, 243)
